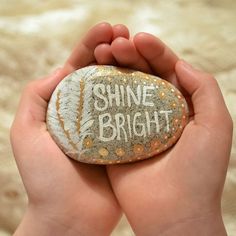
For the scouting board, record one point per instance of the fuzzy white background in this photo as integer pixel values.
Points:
(37, 36)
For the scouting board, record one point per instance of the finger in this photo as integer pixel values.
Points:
(208, 103)
(35, 97)
(161, 59)
(103, 55)
(83, 54)
(126, 55)
(120, 30)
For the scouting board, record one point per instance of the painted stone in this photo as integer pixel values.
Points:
(107, 115)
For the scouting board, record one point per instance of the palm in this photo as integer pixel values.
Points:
(62, 189)
(180, 183)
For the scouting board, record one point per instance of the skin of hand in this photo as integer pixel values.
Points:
(179, 191)
(64, 197)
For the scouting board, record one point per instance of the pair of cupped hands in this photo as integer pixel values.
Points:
(176, 193)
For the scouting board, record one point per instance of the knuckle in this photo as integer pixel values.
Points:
(31, 87)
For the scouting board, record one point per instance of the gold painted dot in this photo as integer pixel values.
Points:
(120, 152)
(166, 137)
(144, 82)
(184, 117)
(138, 148)
(182, 105)
(130, 160)
(173, 128)
(110, 162)
(118, 161)
(174, 137)
(166, 146)
(162, 94)
(135, 81)
(172, 90)
(88, 142)
(154, 144)
(157, 86)
(139, 158)
(174, 105)
(181, 127)
(179, 97)
(163, 83)
(103, 152)
(124, 80)
(176, 121)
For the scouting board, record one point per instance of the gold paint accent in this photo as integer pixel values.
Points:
(174, 105)
(179, 97)
(172, 90)
(163, 83)
(61, 122)
(138, 148)
(120, 152)
(81, 103)
(182, 105)
(176, 121)
(162, 94)
(88, 142)
(103, 152)
(154, 144)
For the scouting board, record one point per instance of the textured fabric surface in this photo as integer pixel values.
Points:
(37, 36)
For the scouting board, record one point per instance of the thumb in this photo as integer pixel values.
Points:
(208, 103)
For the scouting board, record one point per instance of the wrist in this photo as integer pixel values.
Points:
(34, 223)
(38, 221)
(207, 225)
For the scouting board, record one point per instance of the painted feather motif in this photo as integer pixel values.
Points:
(84, 119)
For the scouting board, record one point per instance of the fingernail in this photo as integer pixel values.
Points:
(187, 65)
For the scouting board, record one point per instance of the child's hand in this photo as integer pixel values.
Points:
(179, 191)
(65, 197)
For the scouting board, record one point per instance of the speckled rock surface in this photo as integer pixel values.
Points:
(108, 115)
(32, 45)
